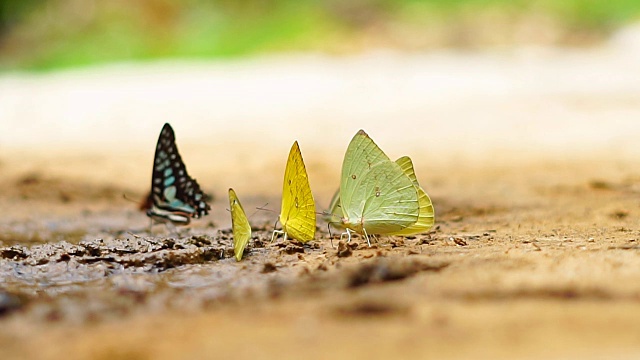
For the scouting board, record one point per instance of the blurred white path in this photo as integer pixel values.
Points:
(436, 106)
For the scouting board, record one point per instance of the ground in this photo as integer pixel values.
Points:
(534, 253)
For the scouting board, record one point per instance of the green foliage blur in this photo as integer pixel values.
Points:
(53, 34)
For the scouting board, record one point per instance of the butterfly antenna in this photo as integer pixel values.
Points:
(124, 196)
(265, 209)
(258, 209)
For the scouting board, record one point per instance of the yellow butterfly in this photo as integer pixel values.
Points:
(377, 195)
(239, 224)
(298, 212)
(426, 213)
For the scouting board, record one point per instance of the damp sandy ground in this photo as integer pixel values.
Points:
(529, 155)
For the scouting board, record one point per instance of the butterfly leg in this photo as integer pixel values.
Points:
(366, 236)
(348, 235)
(173, 229)
(330, 236)
(273, 235)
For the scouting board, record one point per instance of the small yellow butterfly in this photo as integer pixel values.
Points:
(298, 212)
(239, 224)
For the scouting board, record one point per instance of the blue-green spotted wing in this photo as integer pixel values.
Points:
(175, 197)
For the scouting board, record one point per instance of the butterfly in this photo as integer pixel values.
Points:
(175, 197)
(376, 195)
(426, 213)
(298, 211)
(239, 224)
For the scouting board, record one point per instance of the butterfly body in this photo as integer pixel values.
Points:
(175, 197)
(297, 215)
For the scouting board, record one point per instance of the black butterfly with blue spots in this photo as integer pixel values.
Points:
(175, 197)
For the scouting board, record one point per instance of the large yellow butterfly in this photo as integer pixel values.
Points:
(298, 212)
(426, 213)
(376, 196)
(239, 224)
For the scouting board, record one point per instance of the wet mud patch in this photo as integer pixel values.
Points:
(99, 279)
(147, 253)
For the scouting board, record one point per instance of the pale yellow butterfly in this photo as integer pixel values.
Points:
(426, 212)
(376, 196)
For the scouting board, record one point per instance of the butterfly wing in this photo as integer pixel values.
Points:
(426, 211)
(239, 224)
(375, 194)
(298, 212)
(175, 196)
(334, 214)
(426, 216)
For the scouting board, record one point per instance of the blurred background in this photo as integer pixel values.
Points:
(445, 81)
(56, 34)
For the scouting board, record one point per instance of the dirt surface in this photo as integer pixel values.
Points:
(530, 260)
(535, 182)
